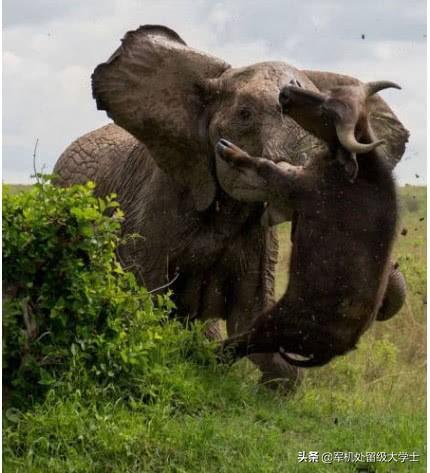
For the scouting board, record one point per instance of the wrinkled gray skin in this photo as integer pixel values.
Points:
(187, 206)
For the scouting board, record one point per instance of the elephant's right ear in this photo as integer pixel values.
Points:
(156, 87)
(384, 122)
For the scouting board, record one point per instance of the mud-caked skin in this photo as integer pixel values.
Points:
(345, 202)
(170, 104)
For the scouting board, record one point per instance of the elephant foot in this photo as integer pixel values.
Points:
(277, 374)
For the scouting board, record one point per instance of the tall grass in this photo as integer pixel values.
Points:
(390, 363)
(372, 400)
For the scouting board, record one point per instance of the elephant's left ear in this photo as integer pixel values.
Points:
(384, 122)
(157, 88)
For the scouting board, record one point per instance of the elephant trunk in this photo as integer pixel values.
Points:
(394, 297)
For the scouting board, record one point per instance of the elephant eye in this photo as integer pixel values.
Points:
(245, 114)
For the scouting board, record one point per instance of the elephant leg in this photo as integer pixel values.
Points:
(394, 297)
(213, 330)
(251, 293)
(212, 303)
(199, 297)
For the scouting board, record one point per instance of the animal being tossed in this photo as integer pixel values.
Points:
(342, 235)
(170, 104)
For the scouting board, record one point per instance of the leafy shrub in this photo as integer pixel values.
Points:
(71, 314)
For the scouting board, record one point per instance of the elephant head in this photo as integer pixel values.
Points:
(180, 101)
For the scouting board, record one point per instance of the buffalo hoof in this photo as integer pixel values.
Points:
(281, 376)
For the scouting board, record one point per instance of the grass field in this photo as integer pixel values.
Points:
(372, 400)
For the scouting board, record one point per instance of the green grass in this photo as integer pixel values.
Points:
(372, 400)
(15, 188)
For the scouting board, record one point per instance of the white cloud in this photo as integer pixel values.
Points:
(11, 61)
(219, 16)
(51, 48)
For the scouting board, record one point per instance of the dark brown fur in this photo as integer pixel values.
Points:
(340, 261)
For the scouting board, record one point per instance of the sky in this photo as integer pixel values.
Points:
(50, 48)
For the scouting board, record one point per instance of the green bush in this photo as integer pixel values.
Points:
(72, 316)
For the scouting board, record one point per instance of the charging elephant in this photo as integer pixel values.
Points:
(170, 104)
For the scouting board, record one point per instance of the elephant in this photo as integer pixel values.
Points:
(170, 104)
(346, 214)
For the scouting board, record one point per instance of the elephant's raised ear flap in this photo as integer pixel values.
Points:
(154, 86)
(385, 125)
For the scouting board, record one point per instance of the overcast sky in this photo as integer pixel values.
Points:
(50, 48)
